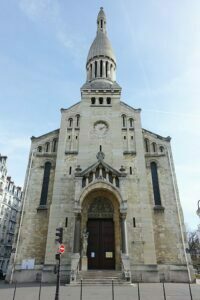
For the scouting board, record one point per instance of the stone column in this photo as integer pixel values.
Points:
(77, 230)
(114, 180)
(98, 68)
(107, 175)
(108, 69)
(93, 70)
(87, 180)
(88, 73)
(124, 234)
(93, 176)
(104, 69)
(100, 172)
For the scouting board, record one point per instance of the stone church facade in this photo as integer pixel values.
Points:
(108, 182)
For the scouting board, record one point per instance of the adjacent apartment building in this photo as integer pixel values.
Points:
(10, 206)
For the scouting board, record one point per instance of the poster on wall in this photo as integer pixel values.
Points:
(28, 264)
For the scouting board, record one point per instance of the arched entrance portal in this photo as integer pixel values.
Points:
(101, 240)
(101, 219)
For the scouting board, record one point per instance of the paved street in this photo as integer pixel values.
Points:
(148, 292)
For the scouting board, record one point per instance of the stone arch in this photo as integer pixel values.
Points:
(148, 164)
(101, 185)
(109, 197)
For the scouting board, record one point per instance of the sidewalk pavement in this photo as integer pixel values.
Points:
(148, 291)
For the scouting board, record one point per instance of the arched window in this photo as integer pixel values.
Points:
(108, 100)
(155, 183)
(77, 120)
(123, 120)
(161, 149)
(154, 146)
(131, 122)
(100, 100)
(45, 184)
(39, 148)
(93, 100)
(70, 122)
(47, 147)
(146, 143)
(54, 146)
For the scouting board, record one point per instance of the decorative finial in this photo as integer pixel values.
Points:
(101, 21)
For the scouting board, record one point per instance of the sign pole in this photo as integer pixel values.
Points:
(58, 280)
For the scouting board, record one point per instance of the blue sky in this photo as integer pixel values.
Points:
(43, 50)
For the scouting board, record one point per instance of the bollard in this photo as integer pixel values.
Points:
(138, 291)
(190, 291)
(40, 289)
(81, 293)
(164, 291)
(15, 290)
(113, 290)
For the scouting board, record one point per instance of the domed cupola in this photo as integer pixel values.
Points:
(101, 61)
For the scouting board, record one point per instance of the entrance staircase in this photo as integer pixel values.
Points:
(101, 277)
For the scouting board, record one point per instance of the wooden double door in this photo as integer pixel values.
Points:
(101, 244)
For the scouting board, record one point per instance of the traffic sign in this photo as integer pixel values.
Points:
(62, 248)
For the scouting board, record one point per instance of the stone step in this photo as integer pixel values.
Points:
(100, 277)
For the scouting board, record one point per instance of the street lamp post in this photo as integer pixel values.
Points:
(198, 209)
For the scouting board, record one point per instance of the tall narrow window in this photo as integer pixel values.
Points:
(154, 146)
(45, 184)
(77, 120)
(47, 147)
(39, 148)
(100, 148)
(131, 172)
(146, 142)
(70, 122)
(131, 122)
(95, 69)
(134, 223)
(90, 71)
(155, 183)
(101, 68)
(54, 148)
(106, 69)
(123, 120)
(70, 170)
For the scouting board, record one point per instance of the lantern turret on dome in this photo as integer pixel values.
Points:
(101, 60)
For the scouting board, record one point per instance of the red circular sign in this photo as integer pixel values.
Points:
(62, 248)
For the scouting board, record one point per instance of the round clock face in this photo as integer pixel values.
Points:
(100, 128)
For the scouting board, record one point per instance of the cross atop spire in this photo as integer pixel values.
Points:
(101, 21)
